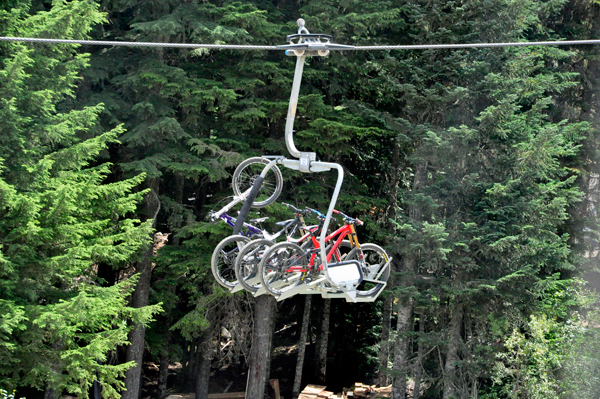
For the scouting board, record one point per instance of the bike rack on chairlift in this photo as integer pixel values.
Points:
(347, 274)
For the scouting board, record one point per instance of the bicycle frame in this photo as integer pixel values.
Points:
(342, 232)
(251, 231)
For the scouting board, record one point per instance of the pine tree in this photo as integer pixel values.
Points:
(58, 217)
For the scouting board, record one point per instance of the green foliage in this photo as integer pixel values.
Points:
(467, 164)
(550, 356)
(527, 368)
(59, 216)
(65, 344)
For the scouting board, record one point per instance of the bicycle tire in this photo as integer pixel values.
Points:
(247, 172)
(372, 258)
(248, 261)
(274, 272)
(223, 259)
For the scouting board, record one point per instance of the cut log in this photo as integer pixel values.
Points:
(275, 385)
(311, 391)
(324, 394)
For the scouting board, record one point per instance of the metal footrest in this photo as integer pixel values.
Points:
(301, 289)
(262, 290)
(236, 288)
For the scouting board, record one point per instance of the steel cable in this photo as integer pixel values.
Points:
(261, 47)
(138, 44)
(476, 45)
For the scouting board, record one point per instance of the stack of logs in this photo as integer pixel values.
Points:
(359, 391)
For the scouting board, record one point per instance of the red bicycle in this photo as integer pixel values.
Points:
(286, 265)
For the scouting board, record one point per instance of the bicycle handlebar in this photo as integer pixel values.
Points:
(319, 214)
(348, 218)
(292, 207)
(212, 217)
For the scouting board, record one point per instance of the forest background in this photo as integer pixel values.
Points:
(477, 169)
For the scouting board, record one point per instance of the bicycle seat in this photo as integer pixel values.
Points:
(259, 220)
(282, 224)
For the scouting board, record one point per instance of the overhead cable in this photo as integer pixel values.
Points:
(329, 46)
(476, 45)
(138, 44)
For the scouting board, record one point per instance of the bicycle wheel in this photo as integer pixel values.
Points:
(247, 172)
(371, 258)
(246, 264)
(283, 267)
(223, 259)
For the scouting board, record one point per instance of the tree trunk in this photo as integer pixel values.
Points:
(135, 350)
(184, 362)
(302, 347)
(196, 369)
(204, 367)
(419, 363)
(392, 187)
(139, 299)
(401, 349)
(324, 340)
(405, 304)
(452, 356)
(384, 346)
(165, 355)
(50, 392)
(163, 375)
(262, 342)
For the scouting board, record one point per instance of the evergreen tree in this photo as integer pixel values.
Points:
(463, 161)
(59, 219)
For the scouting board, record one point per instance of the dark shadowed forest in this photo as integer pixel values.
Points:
(476, 169)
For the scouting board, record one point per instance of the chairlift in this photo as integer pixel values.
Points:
(339, 279)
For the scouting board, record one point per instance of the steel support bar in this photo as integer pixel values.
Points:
(303, 288)
(291, 115)
(334, 197)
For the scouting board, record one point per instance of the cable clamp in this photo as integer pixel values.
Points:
(305, 159)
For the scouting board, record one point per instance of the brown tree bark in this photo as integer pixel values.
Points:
(384, 346)
(419, 363)
(163, 376)
(324, 341)
(454, 341)
(204, 364)
(401, 348)
(302, 347)
(135, 350)
(262, 346)
(139, 299)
